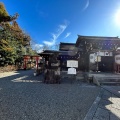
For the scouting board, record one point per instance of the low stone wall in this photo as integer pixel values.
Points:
(8, 68)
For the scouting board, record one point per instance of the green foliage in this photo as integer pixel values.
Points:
(13, 41)
(3, 11)
(4, 16)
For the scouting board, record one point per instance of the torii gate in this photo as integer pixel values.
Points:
(37, 58)
(27, 58)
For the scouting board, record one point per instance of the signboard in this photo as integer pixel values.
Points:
(72, 71)
(72, 63)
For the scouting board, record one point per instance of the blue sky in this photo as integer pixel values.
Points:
(53, 21)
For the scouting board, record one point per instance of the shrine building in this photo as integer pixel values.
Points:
(99, 53)
(93, 53)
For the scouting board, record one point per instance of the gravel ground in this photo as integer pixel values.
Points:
(25, 97)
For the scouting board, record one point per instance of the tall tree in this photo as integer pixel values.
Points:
(13, 41)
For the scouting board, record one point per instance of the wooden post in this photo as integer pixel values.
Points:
(97, 63)
(25, 63)
(37, 62)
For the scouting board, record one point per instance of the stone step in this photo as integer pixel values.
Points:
(109, 77)
(106, 81)
(79, 77)
(110, 83)
(109, 80)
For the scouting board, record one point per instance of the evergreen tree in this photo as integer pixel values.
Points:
(13, 41)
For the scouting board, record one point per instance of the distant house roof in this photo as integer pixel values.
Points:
(48, 52)
(66, 46)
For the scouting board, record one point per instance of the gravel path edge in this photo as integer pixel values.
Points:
(93, 108)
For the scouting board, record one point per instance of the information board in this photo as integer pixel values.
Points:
(72, 63)
(71, 71)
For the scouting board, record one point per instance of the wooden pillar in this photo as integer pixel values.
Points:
(37, 63)
(115, 69)
(25, 60)
(118, 68)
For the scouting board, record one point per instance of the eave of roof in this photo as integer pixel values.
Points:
(101, 37)
(96, 38)
(62, 43)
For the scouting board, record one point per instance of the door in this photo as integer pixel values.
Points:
(106, 64)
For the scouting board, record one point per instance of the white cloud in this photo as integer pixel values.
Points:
(39, 50)
(87, 4)
(59, 31)
(37, 47)
(68, 34)
(54, 36)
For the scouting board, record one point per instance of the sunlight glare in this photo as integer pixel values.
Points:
(117, 18)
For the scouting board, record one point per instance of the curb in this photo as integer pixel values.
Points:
(92, 110)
